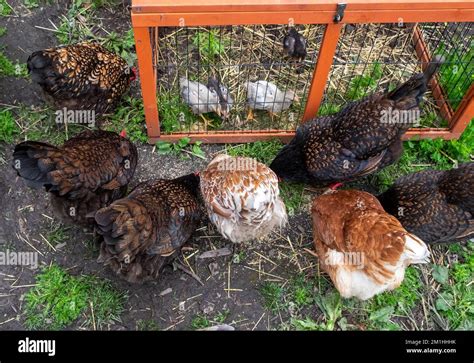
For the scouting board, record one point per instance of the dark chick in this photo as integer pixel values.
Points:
(437, 206)
(145, 230)
(82, 76)
(225, 99)
(294, 44)
(354, 142)
(88, 172)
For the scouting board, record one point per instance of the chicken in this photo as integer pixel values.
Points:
(200, 98)
(364, 250)
(82, 76)
(88, 172)
(294, 44)
(437, 206)
(263, 95)
(144, 231)
(357, 141)
(242, 198)
(225, 99)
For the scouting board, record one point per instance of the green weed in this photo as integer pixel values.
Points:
(5, 8)
(183, 146)
(8, 68)
(8, 127)
(58, 299)
(362, 85)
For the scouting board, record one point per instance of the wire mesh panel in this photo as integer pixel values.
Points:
(233, 55)
(375, 57)
(353, 50)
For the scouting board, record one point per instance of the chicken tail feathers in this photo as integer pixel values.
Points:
(31, 162)
(416, 250)
(126, 228)
(409, 94)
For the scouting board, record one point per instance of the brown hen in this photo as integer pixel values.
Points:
(88, 172)
(82, 76)
(364, 250)
(356, 141)
(242, 198)
(437, 206)
(144, 231)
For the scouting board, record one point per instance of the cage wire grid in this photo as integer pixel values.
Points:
(368, 58)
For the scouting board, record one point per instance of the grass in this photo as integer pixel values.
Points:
(453, 72)
(3, 31)
(130, 116)
(263, 151)
(272, 294)
(455, 301)
(201, 321)
(74, 26)
(123, 45)
(361, 85)
(329, 109)
(402, 299)
(8, 127)
(10, 69)
(39, 125)
(174, 114)
(183, 147)
(58, 234)
(59, 299)
(331, 307)
(5, 8)
(147, 325)
(209, 44)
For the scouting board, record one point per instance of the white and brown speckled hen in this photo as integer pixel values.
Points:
(242, 198)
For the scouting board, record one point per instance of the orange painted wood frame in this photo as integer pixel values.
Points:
(148, 14)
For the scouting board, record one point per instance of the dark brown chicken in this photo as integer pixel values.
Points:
(82, 76)
(88, 172)
(144, 231)
(437, 206)
(356, 141)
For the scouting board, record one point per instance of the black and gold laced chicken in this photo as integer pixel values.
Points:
(145, 231)
(435, 205)
(356, 141)
(88, 172)
(82, 76)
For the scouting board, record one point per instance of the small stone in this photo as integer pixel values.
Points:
(214, 268)
(208, 308)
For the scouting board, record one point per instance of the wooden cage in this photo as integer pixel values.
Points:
(346, 41)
